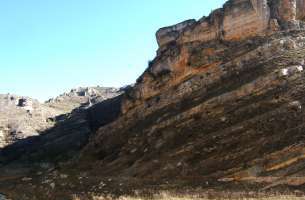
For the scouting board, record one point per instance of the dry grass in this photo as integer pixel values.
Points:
(170, 196)
(190, 198)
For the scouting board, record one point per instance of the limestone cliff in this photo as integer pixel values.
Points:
(221, 105)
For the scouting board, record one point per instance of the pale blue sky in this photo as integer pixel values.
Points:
(50, 46)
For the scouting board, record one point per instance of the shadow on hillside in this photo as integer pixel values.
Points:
(65, 139)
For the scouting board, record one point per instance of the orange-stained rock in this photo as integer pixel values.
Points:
(300, 13)
(287, 10)
(206, 29)
(238, 19)
(245, 18)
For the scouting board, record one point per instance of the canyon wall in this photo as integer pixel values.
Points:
(222, 100)
(238, 20)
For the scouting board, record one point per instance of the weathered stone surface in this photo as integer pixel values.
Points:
(245, 18)
(252, 95)
(285, 11)
(22, 117)
(221, 104)
(206, 29)
(300, 5)
(87, 96)
(238, 20)
(170, 34)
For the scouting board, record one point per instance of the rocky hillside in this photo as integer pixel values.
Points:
(220, 107)
(22, 117)
(82, 96)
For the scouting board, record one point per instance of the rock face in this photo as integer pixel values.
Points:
(222, 100)
(222, 103)
(22, 117)
(238, 20)
(245, 106)
(244, 19)
(171, 34)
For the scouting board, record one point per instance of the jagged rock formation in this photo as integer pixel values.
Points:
(22, 117)
(222, 103)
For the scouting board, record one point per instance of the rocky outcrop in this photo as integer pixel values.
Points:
(251, 95)
(87, 96)
(243, 19)
(238, 20)
(226, 91)
(52, 145)
(221, 104)
(300, 6)
(171, 34)
(22, 117)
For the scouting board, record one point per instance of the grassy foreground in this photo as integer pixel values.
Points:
(170, 196)
(199, 198)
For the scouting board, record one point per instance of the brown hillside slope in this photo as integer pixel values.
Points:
(221, 105)
(228, 107)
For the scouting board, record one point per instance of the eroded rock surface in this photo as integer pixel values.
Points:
(22, 117)
(238, 20)
(82, 96)
(221, 104)
(222, 91)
